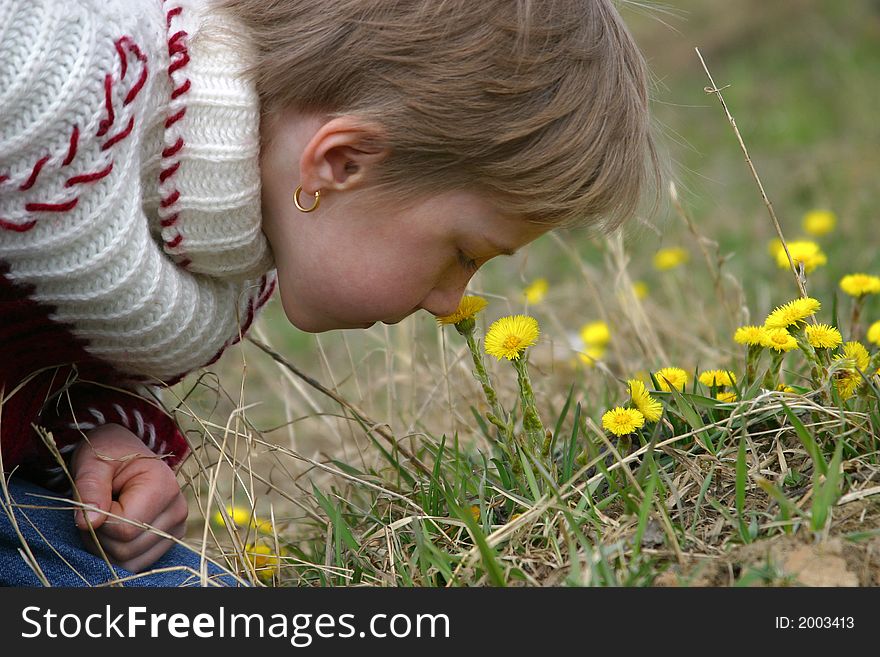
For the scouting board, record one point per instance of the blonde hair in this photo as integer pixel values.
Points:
(542, 104)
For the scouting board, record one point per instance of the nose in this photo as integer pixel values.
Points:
(444, 300)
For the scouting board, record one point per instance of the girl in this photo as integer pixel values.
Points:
(165, 164)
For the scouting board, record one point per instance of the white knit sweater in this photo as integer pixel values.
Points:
(129, 179)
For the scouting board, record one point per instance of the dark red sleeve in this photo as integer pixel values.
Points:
(87, 406)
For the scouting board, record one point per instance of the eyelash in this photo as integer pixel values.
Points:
(469, 264)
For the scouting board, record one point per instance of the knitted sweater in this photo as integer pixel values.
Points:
(130, 243)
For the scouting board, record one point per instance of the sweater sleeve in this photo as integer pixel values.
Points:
(84, 282)
(87, 406)
(83, 89)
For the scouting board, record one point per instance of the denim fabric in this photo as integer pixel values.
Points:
(56, 545)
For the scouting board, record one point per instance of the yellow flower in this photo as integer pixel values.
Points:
(823, 336)
(671, 376)
(803, 251)
(779, 339)
(726, 397)
(819, 222)
(475, 512)
(622, 421)
(784, 388)
(510, 336)
(536, 292)
(847, 381)
(239, 516)
(643, 401)
(590, 355)
(874, 333)
(750, 335)
(596, 334)
(263, 559)
(467, 308)
(718, 378)
(858, 285)
(792, 312)
(666, 259)
(774, 246)
(640, 289)
(856, 352)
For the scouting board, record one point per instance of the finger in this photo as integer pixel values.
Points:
(135, 561)
(171, 521)
(143, 499)
(143, 561)
(94, 481)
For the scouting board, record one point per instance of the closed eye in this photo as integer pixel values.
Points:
(467, 263)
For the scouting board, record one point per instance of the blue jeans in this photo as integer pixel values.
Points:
(53, 539)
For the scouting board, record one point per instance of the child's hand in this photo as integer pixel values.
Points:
(116, 472)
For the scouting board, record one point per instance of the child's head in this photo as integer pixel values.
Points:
(516, 116)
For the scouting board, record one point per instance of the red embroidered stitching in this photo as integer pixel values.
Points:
(18, 228)
(182, 89)
(136, 89)
(52, 207)
(115, 139)
(172, 13)
(105, 124)
(165, 174)
(71, 151)
(170, 200)
(171, 120)
(34, 173)
(171, 150)
(179, 58)
(89, 177)
(122, 58)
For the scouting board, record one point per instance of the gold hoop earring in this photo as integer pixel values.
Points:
(300, 206)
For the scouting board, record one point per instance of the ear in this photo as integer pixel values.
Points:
(341, 155)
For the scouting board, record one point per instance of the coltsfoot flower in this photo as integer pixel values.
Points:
(823, 336)
(726, 397)
(718, 378)
(468, 307)
(750, 335)
(510, 336)
(536, 292)
(595, 334)
(792, 313)
(847, 382)
(670, 258)
(640, 289)
(858, 285)
(874, 333)
(819, 222)
(623, 421)
(263, 559)
(856, 352)
(671, 376)
(643, 401)
(779, 339)
(802, 251)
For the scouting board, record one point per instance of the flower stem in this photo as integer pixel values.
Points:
(531, 420)
(497, 416)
